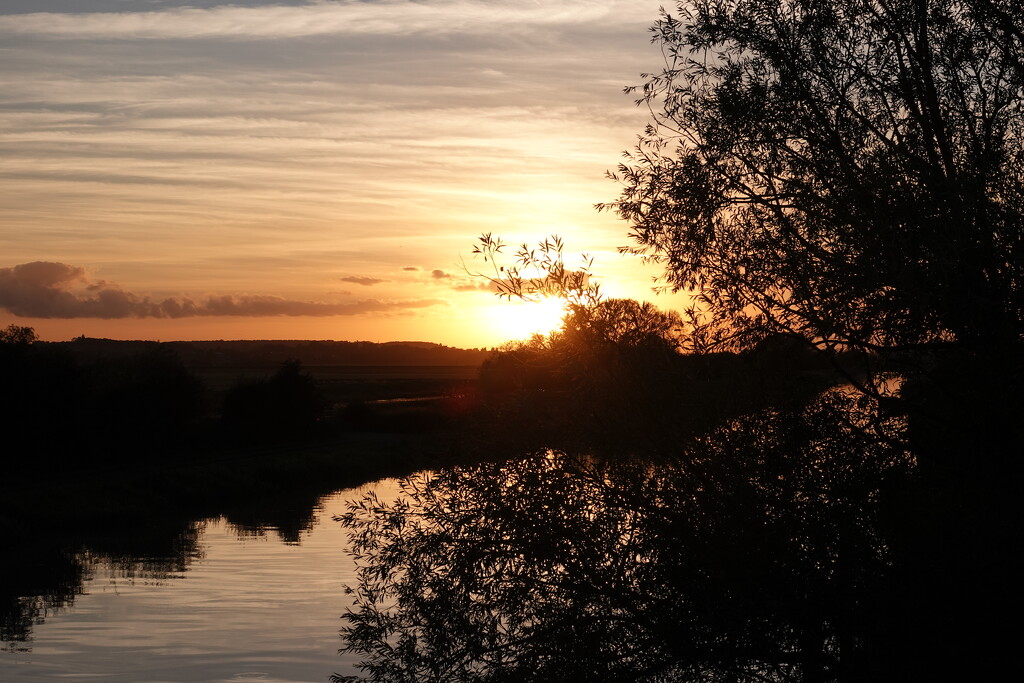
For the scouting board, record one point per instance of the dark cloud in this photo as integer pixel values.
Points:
(44, 273)
(439, 274)
(364, 281)
(57, 290)
(411, 269)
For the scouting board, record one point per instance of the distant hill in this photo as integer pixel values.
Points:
(256, 353)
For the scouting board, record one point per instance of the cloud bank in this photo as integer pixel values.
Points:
(44, 289)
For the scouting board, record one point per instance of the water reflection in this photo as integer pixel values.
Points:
(759, 555)
(32, 588)
(232, 601)
(45, 569)
(288, 514)
(44, 576)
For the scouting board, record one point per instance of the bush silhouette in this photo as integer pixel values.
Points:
(287, 404)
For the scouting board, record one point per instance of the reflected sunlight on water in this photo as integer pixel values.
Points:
(243, 605)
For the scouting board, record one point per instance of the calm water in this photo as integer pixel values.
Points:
(761, 556)
(244, 605)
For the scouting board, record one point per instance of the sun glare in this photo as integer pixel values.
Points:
(514, 320)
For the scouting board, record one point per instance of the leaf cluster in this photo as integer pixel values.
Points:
(536, 272)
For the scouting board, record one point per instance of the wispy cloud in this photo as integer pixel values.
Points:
(347, 17)
(43, 289)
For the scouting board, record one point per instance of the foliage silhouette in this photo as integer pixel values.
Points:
(846, 172)
(76, 414)
(288, 404)
(615, 377)
(39, 388)
(147, 396)
(758, 555)
(17, 335)
(537, 272)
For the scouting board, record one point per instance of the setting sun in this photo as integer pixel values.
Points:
(515, 320)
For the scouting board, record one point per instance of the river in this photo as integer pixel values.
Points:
(240, 604)
(764, 554)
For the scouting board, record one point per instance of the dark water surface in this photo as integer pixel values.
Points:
(788, 546)
(241, 603)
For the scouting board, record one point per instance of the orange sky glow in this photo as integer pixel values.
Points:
(298, 169)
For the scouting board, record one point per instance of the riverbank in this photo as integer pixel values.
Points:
(194, 486)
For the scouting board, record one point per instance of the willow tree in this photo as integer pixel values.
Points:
(847, 171)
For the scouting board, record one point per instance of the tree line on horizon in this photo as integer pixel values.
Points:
(220, 353)
(91, 404)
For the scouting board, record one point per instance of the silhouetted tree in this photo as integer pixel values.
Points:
(611, 367)
(848, 172)
(617, 376)
(41, 391)
(287, 404)
(140, 402)
(625, 323)
(17, 335)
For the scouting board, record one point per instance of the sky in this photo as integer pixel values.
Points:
(290, 169)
